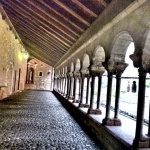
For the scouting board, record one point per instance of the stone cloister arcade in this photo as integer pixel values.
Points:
(81, 51)
(89, 64)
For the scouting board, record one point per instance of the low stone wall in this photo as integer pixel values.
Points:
(30, 86)
(93, 128)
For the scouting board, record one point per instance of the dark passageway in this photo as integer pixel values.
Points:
(36, 120)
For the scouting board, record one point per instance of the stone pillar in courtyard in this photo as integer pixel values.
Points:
(77, 75)
(74, 90)
(64, 89)
(87, 92)
(113, 68)
(141, 62)
(84, 74)
(95, 71)
(70, 86)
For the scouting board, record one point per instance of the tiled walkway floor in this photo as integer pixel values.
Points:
(35, 120)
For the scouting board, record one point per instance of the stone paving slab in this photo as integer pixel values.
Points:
(36, 120)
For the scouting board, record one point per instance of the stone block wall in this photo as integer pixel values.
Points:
(11, 60)
(43, 80)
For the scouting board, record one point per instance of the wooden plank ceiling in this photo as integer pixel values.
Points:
(48, 28)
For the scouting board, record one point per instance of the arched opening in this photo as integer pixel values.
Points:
(123, 47)
(146, 60)
(72, 79)
(77, 68)
(98, 59)
(31, 76)
(86, 61)
(85, 70)
(78, 65)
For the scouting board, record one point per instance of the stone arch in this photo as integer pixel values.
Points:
(86, 61)
(31, 76)
(146, 48)
(120, 45)
(63, 70)
(66, 69)
(59, 72)
(72, 67)
(99, 56)
(78, 65)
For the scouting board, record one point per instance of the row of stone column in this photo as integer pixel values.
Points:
(117, 70)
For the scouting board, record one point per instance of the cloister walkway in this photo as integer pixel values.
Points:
(36, 120)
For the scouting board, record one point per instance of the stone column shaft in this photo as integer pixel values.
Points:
(87, 90)
(99, 91)
(68, 83)
(140, 109)
(109, 91)
(118, 85)
(70, 86)
(80, 89)
(74, 89)
(82, 92)
(64, 86)
(92, 92)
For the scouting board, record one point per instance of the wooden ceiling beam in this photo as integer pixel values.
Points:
(55, 19)
(61, 15)
(34, 25)
(26, 28)
(28, 38)
(103, 2)
(30, 17)
(39, 50)
(54, 25)
(17, 23)
(59, 3)
(85, 8)
(43, 46)
(40, 57)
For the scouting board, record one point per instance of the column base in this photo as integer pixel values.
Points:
(86, 106)
(70, 97)
(142, 143)
(76, 101)
(94, 111)
(108, 122)
(98, 111)
(112, 122)
(81, 105)
(91, 111)
(117, 122)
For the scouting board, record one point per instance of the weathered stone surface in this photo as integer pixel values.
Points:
(36, 120)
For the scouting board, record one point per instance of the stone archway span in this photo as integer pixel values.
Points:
(77, 64)
(99, 56)
(86, 61)
(146, 50)
(72, 67)
(120, 45)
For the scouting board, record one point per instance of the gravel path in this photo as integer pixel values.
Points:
(36, 120)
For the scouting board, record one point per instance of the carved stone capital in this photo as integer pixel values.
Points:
(141, 61)
(85, 72)
(97, 70)
(115, 67)
(137, 59)
(77, 74)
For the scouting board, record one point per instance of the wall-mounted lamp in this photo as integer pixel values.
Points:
(25, 54)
